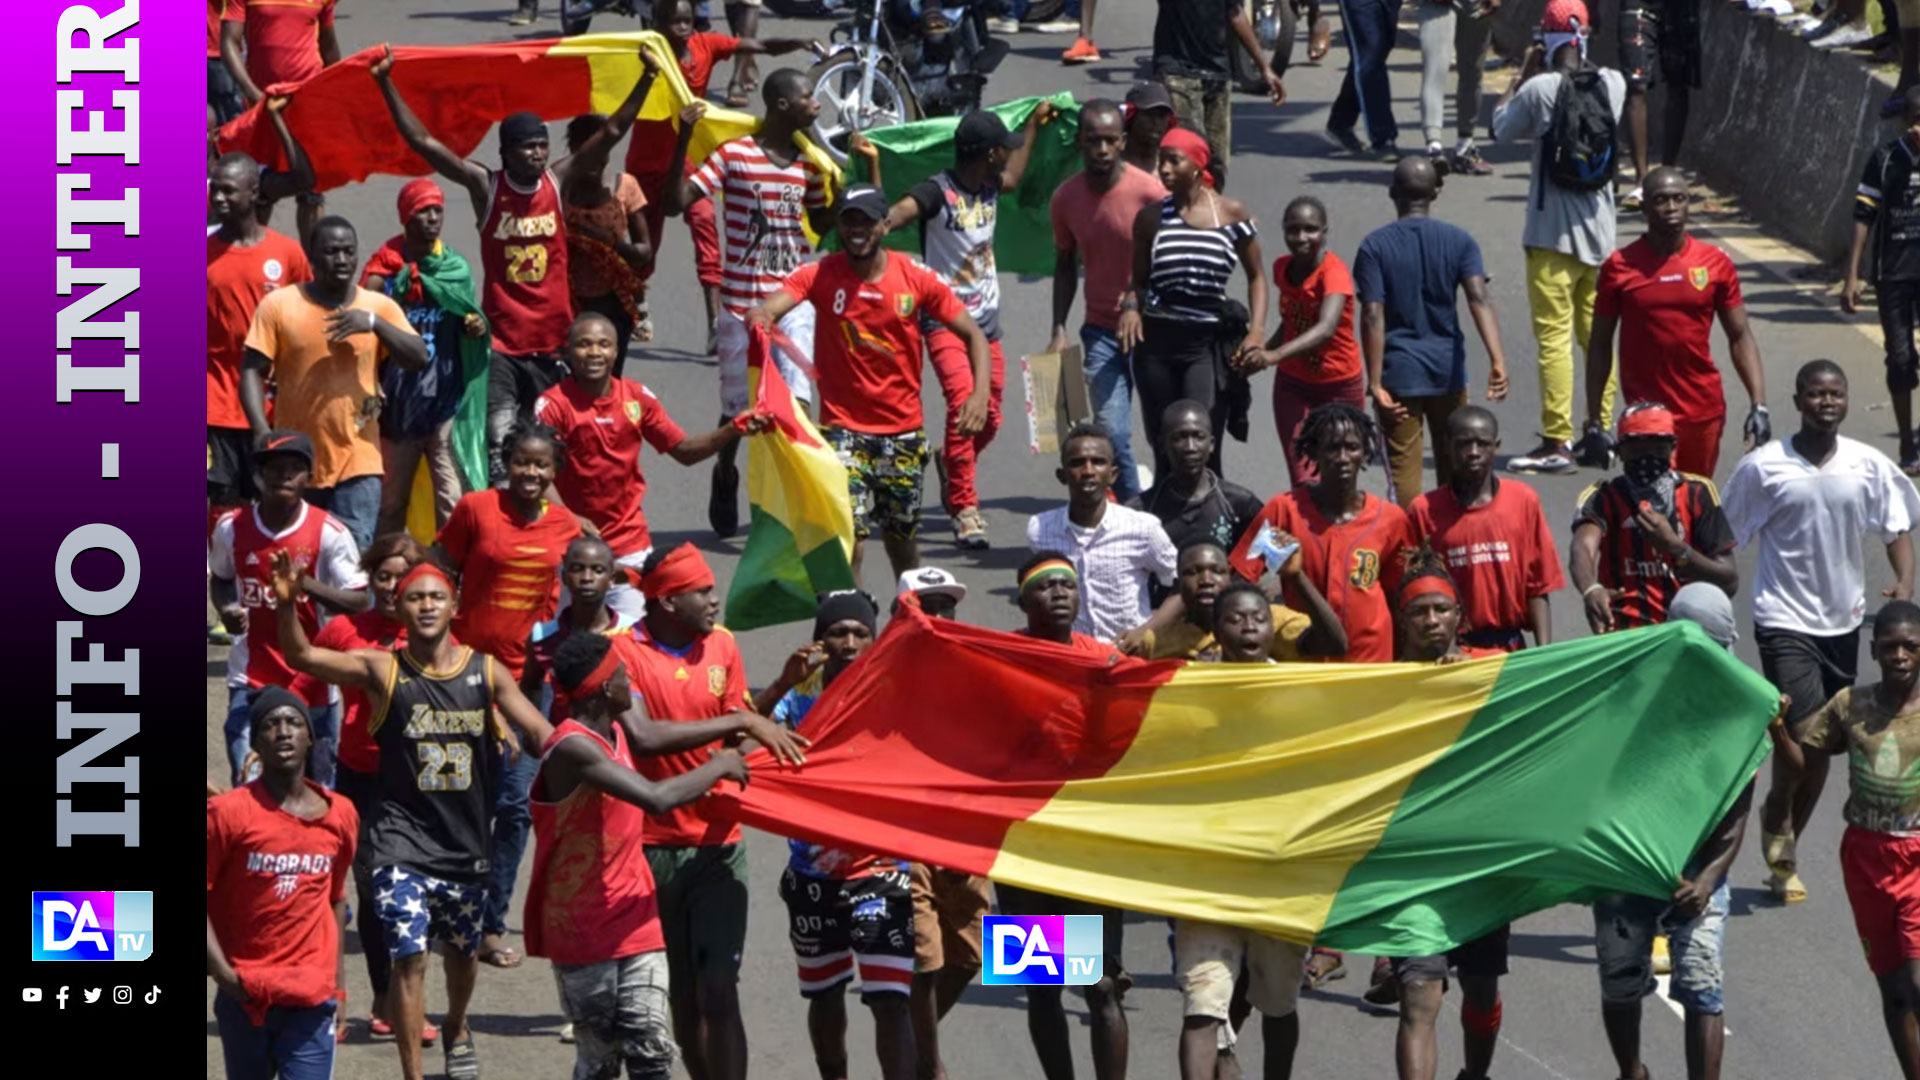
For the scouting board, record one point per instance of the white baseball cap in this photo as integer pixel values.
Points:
(932, 579)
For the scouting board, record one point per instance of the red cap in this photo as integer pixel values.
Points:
(1565, 17)
(1646, 418)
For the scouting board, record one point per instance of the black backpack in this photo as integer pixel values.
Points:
(1579, 145)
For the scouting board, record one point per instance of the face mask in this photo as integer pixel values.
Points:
(1644, 472)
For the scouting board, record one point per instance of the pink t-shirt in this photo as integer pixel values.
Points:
(1099, 226)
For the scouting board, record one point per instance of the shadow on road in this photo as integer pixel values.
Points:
(1555, 947)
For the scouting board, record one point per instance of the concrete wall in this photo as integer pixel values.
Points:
(1783, 127)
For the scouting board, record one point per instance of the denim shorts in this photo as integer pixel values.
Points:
(1623, 931)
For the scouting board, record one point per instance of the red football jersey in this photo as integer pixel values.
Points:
(1500, 555)
(866, 340)
(603, 481)
(237, 279)
(243, 550)
(523, 252)
(366, 630)
(1355, 565)
(708, 679)
(509, 572)
(1666, 305)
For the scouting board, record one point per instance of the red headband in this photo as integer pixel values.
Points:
(595, 679)
(417, 195)
(1193, 147)
(1643, 420)
(423, 568)
(1425, 584)
(682, 570)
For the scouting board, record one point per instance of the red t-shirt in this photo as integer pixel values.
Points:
(603, 481)
(509, 572)
(1355, 565)
(1500, 555)
(591, 897)
(283, 37)
(866, 341)
(650, 148)
(1666, 306)
(237, 279)
(214, 8)
(709, 679)
(272, 881)
(366, 630)
(1339, 359)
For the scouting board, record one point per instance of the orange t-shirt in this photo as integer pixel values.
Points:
(1339, 359)
(329, 391)
(237, 279)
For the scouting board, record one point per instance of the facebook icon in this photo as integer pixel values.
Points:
(1042, 950)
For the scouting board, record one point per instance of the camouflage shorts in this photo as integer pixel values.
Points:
(883, 479)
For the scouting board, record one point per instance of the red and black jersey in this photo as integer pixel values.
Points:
(1633, 563)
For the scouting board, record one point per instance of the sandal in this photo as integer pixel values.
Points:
(462, 1062)
(643, 329)
(1323, 966)
(1783, 879)
(380, 1029)
(502, 957)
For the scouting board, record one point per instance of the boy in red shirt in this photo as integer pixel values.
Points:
(603, 420)
(1350, 540)
(284, 42)
(278, 850)
(1663, 291)
(1494, 538)
(591, 905)
(867, 354)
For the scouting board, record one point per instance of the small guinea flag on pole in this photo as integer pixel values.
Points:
(800, 535)
(1390, 809)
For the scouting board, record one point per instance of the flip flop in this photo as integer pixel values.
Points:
(502, 957)
(1317, 975)
(1783, 878)
(462, 1062)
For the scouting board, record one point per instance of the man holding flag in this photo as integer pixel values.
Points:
(867, 350)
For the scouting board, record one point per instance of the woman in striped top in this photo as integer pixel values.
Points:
(1176, 316)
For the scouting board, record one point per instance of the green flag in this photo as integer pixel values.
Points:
(1023, 234)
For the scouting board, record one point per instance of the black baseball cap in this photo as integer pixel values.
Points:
(866, 199)
(981, 131)
(281, 441)
(1150, 95)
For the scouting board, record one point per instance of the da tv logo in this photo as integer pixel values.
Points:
(1043, 950)
(92, 925)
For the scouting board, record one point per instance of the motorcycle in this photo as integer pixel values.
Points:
(576, 16)
(1275, 25)
(901, 60)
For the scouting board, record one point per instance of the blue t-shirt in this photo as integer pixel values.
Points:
(1416, 267)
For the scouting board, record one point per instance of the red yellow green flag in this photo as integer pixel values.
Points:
(1390, 809)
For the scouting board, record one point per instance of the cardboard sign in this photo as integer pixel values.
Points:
(1057, 396)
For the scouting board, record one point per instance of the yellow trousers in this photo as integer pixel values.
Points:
(1560, 291)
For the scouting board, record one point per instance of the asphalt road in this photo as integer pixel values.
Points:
(1800, 1001)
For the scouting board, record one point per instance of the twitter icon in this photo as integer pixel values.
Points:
(91, 996)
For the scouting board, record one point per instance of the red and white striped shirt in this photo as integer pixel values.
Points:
(765, 208)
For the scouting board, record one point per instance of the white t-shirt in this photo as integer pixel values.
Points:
(1811, 523)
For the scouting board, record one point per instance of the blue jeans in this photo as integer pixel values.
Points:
(239, 737)
(1110, 385)
(511, 823)
(1624, 927)
(325, 723)
(356, 502)
(295, 1044)
(1371, 25)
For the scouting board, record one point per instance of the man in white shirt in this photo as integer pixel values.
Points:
(1114, 550)
(1810, 502)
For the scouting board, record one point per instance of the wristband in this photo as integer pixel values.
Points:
(1588, 591)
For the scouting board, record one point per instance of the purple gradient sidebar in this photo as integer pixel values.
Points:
(66, 452)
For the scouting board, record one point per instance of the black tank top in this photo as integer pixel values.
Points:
(438, 769)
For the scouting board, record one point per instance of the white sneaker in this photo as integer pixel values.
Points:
(1056, 26)
(1779, 9)
(1858, 33)
(1000, 24)
(1548, 457)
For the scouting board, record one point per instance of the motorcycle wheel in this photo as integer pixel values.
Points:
(576, 16)
(1276, 34)
(1044, 11)
(836, 84)
(802, 9)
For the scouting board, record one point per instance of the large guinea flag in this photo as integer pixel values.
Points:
(800, 535)
(1389, 809)
(460, 92)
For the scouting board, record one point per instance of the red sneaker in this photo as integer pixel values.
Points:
(1080, 52)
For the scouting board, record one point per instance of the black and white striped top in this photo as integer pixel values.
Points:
(1191, 266)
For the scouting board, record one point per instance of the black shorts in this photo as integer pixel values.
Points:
(1899, 304)
(1660, 42)
(838, 925)
(1015, 900)
(1483, 957)
(230, 467)
(1808, 669)
(516, 382)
